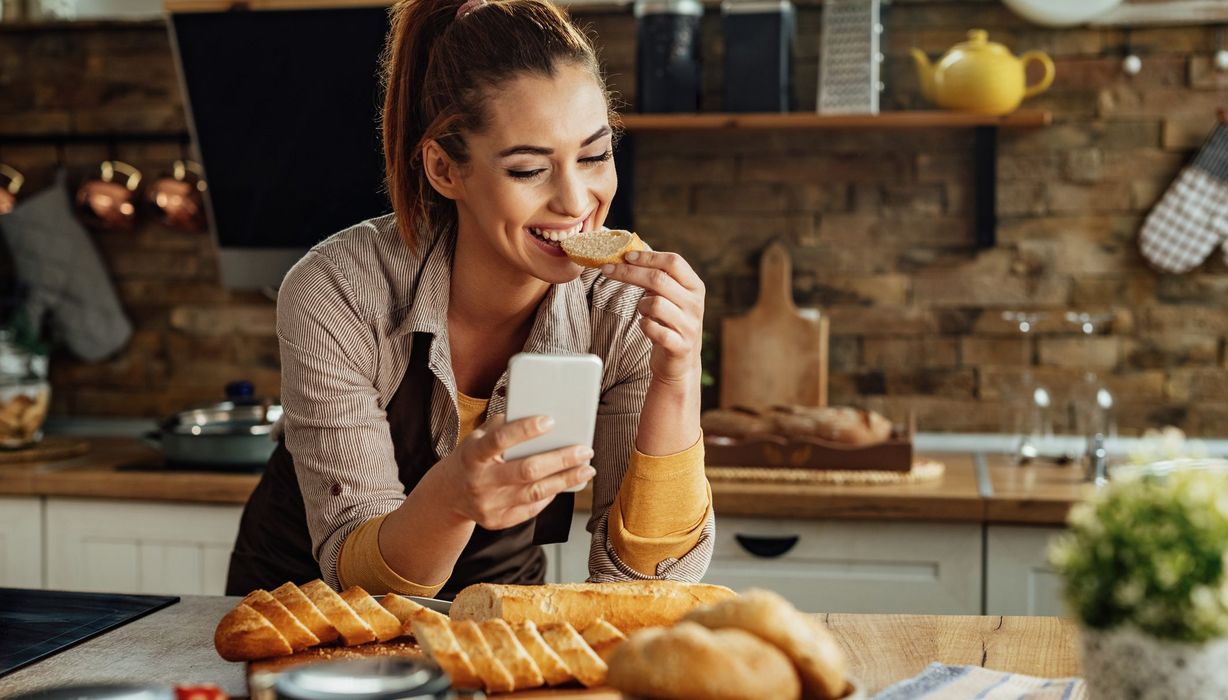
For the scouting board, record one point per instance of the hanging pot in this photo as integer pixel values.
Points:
(178, 199)
(108, 201)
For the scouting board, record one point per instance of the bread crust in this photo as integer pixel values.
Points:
(613, 257)
(306, 611)
(433, 632)
(352, 628)
(628, 605)
(295, 632)
(818, 658)
(603, 637)
(554, 669)
(511, 653)
(244, 634)
(384, 624)
(585, 665)
(692, 662)
(495, 677)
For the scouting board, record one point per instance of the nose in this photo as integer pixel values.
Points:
(571, 193)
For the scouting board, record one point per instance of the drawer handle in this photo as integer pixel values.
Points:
(767, 547)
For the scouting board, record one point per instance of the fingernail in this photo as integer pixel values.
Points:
(632, 256)
(607, 269)
(588, 473)
(584, 453)
(545, 423)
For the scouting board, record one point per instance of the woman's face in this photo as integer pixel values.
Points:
(541, 171)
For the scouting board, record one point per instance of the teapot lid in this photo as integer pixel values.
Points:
(978, 40)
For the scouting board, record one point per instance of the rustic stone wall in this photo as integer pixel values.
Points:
(880, 223)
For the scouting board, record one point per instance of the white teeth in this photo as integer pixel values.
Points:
(558, 236)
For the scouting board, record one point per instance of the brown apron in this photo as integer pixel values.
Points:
(273, 545)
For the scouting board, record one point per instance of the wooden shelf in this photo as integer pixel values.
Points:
(1021, 119)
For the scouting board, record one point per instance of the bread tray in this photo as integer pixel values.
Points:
(775, 451)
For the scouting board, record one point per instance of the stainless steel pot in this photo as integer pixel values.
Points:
(229, 434)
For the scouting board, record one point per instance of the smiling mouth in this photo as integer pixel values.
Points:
(554, 237)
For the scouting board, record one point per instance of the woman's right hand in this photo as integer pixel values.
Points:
(498, 494)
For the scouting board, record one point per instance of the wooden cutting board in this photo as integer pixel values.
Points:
(775, 353)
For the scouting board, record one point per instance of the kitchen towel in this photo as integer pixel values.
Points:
(945, 682)
(57, 262)
(1191, 219)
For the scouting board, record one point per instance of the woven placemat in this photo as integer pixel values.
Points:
(922, 470)
(47, 449)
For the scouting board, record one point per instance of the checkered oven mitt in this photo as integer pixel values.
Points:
(1191, 219)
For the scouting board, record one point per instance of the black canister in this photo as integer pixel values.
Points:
(668, 55)
(372, 678)
(758, 55)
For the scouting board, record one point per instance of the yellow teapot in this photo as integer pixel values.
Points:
(980, 76)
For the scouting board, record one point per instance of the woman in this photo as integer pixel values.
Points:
(395, 337)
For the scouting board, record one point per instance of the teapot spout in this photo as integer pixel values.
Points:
(925, 73)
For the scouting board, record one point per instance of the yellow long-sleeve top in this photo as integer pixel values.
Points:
(658, 516)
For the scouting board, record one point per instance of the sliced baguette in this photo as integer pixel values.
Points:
(554, 670)
(404, 609)
(306, 611)
(295, 632)
(245, 634)
(599, 248)
(434, 634)
(494, 675)
(352, 628)
(585, 665)
(603, 637)
(628, 605)
(385, 625)
(512, 654)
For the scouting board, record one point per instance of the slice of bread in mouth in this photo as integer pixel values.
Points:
(599, 248)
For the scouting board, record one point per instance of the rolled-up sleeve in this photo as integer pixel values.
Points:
(336, 431)
(618, 419)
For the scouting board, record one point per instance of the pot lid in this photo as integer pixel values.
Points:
(225, 418)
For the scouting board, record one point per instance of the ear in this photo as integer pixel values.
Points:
(442, 172)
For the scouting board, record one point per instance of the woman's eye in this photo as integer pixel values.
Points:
(525, 174)
(598, 159)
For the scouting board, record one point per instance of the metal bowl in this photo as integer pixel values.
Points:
(225, 435)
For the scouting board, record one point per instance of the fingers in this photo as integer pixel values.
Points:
(672, 264)
(667, 313)
(654, 280)
(665, 337)
(551, 486)
(540, 466)
(494, 441)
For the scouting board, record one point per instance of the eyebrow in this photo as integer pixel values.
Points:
(543, 151)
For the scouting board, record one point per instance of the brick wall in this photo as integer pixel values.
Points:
(880, 223)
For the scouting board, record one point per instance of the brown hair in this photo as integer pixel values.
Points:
(438, 70)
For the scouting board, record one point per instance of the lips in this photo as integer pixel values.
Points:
(548, 238)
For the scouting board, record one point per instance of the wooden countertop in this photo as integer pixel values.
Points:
(882, 649)
(991, 491)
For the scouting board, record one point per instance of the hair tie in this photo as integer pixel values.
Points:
(469, 6)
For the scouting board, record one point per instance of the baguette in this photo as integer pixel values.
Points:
(585, 665)
(405, 610)
(295, 632)
(246, 634)
(495, 677)
(352, 628)
(601, 247)
(384, 624)
(554, 670)
(434, 634)
(306, 611)
(603, 637)
(511, 653)
(627, 605)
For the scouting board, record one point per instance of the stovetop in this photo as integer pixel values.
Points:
(37, 624)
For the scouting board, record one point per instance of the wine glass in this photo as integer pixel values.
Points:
(1091, 401)
(1030, 409)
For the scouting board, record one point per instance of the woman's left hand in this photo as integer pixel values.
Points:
(672, 310)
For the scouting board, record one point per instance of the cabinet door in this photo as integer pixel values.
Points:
(21, 542)
(1019, 580)
(862, 567)
(139, 547)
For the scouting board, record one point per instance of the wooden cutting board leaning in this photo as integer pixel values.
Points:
(775, 353)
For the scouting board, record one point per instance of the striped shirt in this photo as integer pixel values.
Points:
(346, 318)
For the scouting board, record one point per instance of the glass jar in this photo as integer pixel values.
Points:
(25, 394)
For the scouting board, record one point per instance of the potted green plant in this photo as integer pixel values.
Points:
(1145, 565)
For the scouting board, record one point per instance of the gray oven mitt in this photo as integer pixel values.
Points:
(57, 262)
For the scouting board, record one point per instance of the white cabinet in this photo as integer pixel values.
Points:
(1018, 578)
(139, 547)
(840, 566)
(21, 542)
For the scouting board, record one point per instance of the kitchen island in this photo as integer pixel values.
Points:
(175, 645)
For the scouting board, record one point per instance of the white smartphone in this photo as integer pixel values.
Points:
(564, 387)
